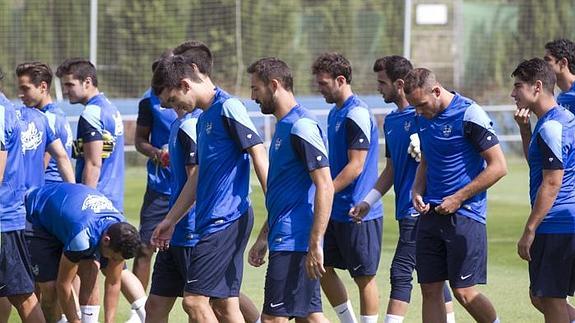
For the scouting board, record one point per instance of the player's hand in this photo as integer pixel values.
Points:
(162, 235)
(414, 149)
(314, 261)
(419, 205)
(164, 158)
(524, 245)
(358, 212)
(450, 205)
(256, 256)
(521, 116)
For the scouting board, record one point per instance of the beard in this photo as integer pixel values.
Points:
(392, 98)
(266, 107)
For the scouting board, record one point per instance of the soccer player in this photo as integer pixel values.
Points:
(548, 240)
(461, 159)
(100, 135)
(39, 133)
(74, 225)
(100, 149)
(16, 278)
(399, 172)
(34, 81)
(171, 266)
(560, 55)
(298, 200)
(151, 140)
(226, 138)
(350, 243)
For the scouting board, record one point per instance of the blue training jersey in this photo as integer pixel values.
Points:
(567, 98)
(353, 127)
(224, 133)
(451, 144)
(158, 119)
(101, 119)
(74, 213)
(397, 128)
(36, 135)
(182, 147)
(552, 146)
(61, 127)
(12, 189)
(297, 148)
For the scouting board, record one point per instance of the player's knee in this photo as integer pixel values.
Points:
(363, 282)
(536, 301)
(48, 290)
(432, 290)
(155, 308)
(192, 307)
(464, 295)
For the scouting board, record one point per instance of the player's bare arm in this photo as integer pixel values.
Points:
(163, 233)
(56, 149)
(66, 274)
(93, 162)
(418, 188)
(351, 170)
(259, 158)
(546, 195)
(496, 168)
(322, 209)
(383, 184)
(112, 285)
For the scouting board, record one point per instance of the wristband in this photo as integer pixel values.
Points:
(372, 197)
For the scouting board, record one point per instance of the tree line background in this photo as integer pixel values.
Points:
(132, 33)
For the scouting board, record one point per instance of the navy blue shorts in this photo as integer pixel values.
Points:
(451, 247)
(15, 267)
(353, 246)
(403, 263)
(552, 265)
(217, 261)
(288, 290)
(154, 209)
(45, 253)
(170, 272)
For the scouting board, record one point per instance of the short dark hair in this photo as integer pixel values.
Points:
(166, 53)
(563, 48)
(418, 78)
(198, 53)
(170, 71)
(270, 68)
(36, 71)
(80, 69)
(395, 66)
(125, 239)
(335, 64)
(534, 69)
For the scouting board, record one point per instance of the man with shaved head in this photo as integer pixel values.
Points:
(461, 159)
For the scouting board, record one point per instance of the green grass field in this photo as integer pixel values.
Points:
(507, 275)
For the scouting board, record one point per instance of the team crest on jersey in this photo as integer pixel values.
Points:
(97, 204)
(119, 125)
(447, 130)
(407, 125)
(337, 125)
(209, 127)
(31, 138)
(277, 144)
